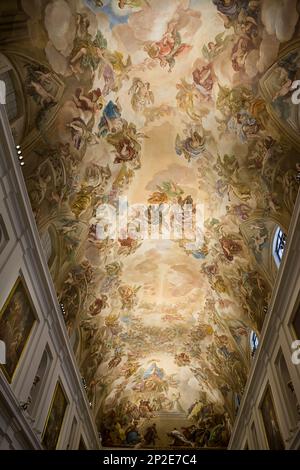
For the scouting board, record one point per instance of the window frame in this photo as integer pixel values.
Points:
(279, 242)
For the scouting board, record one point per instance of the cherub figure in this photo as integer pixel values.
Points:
(82, 26)
(168, 48)
(99, 304)
(128, 296)
(192, 146)
(132, 3)
(259, 237)
(240, 51)
(204, 80)
(188, 99)
(39, 85)
(87, 54)
(91, 101)
(81, 133)
(142, 95)
(126, 144)
(213, 49)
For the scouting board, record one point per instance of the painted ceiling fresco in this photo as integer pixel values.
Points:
(170, 101)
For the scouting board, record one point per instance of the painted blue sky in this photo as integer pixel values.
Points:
(114, 18)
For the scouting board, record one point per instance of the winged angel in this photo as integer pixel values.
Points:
(192, 147)
(168, 48)
(142, 96)
(213, 49)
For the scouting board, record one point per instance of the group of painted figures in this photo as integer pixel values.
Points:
(66, 187)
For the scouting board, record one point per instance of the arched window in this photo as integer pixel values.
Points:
(253, 342)
(278, 245)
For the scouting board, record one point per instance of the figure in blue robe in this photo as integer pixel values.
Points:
(232, 8)
(153, 370)
(110, 119)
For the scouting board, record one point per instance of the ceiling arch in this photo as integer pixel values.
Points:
(165, 103)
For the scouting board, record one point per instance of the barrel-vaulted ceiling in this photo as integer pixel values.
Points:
(165, 102)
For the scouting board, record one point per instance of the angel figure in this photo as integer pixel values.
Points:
(230, 9)
(259, 237)
(88, 193)
(142, 96)
(188, 98)
(127, 246)
(39, 85)
(118, 62)
(244, 125)
(168, 48)
(109, 78)
(37, 185)
(113, 69)
(126, 144)
(192, 146)
(247, 23)
(88, 101)
(128, 296)
(81, 133)
(213, 49)
(168, 191)
(88, 104)
(111, 120)
(240, 52)
(99, 304)
(82, 26)
(123, 178)
(132, 3)
(204, 80)
(87, 55)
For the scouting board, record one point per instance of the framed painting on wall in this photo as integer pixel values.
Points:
(17, 318)
(296, 322)
(273, 434)
(55, 418)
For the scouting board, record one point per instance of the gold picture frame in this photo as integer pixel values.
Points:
(55, 418)
(17, 319)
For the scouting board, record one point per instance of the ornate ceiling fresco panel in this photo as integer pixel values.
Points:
(180, 101)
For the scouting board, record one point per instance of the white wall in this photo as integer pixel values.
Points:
(22, 254)
(277, 338)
